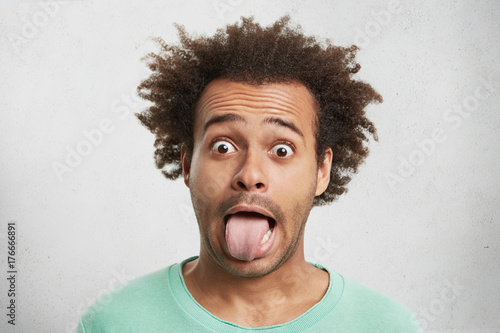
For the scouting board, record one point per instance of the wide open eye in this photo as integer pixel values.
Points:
(223, 147)
(282, 150)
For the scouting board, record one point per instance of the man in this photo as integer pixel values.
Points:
(262, 124)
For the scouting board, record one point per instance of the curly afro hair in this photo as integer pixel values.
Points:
(252, 54)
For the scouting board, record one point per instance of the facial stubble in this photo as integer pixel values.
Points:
(301, 211)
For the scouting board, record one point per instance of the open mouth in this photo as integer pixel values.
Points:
(270, 220)
(247, 233)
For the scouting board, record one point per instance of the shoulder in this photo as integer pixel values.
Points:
(358, 308)
(356, 293)
(377, 311)
(141, 300)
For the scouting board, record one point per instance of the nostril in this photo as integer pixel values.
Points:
(242, 185)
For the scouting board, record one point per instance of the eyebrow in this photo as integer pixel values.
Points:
(222, 119)
(230, 117)
(281, 122)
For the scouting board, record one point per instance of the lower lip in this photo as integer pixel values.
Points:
(266, 247)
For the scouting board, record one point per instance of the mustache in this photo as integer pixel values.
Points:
(251, 200)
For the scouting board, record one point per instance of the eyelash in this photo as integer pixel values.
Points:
(279, 142)
(286, 143)
(214, 141)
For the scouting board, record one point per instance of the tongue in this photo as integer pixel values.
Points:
(244, 232)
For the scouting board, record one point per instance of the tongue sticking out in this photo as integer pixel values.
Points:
(244, 233)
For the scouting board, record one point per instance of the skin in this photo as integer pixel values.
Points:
(254, 150)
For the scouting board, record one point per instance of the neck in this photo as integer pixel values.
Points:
(275, 298)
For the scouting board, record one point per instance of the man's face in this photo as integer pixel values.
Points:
(253, 174)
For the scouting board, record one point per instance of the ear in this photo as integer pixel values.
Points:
(186, 164)
(324, 172)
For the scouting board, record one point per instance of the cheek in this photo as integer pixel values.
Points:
(304, 170)
(206, 181)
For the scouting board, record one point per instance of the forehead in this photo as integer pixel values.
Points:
(292, 101)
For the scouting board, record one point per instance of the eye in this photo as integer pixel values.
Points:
(282, 150)
(223, 147)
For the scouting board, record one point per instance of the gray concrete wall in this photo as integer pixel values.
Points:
(420, 221)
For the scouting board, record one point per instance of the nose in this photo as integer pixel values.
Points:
(251, 175)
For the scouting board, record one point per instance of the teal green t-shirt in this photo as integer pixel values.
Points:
(161, 302)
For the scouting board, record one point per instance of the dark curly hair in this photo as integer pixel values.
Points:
(249, 53)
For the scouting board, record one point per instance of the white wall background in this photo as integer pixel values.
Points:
(429, 239)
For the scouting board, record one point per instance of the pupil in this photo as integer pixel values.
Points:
(281, 152)
(222, 149)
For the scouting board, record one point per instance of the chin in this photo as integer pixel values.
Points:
(251, 269)
(256, 268)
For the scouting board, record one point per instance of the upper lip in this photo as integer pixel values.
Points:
(248, 209)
